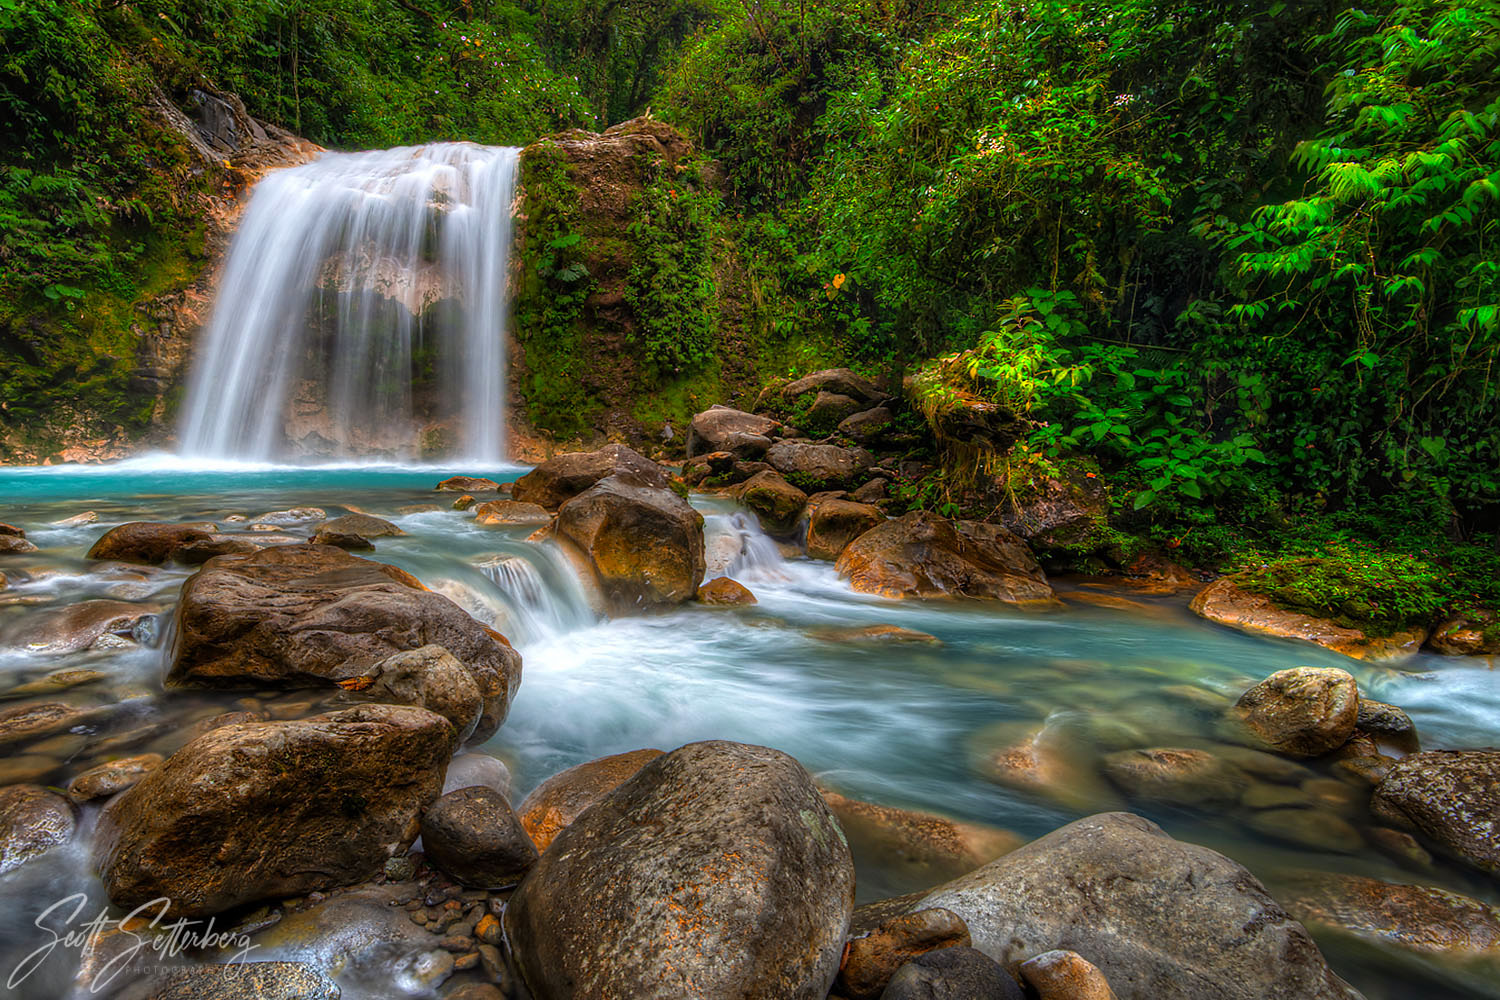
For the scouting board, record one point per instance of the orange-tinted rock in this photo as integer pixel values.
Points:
(833, 524)
(922, 848)
(466, 484)
(1228, 604)
(724, 591)
(923, 555)
(560, 799)
(873, 959)
(507, 512)
(1301, 712)
(1064, 975)
(645, 543)
(777, 503)
(1410, 917)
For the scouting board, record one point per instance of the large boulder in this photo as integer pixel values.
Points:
(32, 822)
(839, 381)
(560, 479)
(777, 503)
(833, 524)
(1162, 919)
(1301, 712)
(430, 678)
(1451, 798)
(645, 542)
(720, 428)
(820, 466)
(473, 835)
(153, 543)
(266, 810)
(562, 798)
(1227, 603)
(314, 615)
(923, 555)
(716, 871)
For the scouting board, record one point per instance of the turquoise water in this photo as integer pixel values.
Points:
(902, 724)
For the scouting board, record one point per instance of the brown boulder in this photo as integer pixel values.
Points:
(724, 592)
(820, 466)
(150, 542)
(32, 822)
(430, 678)
(1183, 777)
(1451, 798)
(716, 871)
(560, 479)
(466, 484)
(645, 543)
(362, 524)
(1226, 603)
(1475, 633)
(923, 555)
(15, 545)
(504, 512)
(314, 615)
(872, 960)
(833, 524)
(1301, 712)
(560, 799)
(722, 429)
(266, 810)
(777, 503)
(921, 848)
(473, 835)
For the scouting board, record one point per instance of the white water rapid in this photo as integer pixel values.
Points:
(362, 312)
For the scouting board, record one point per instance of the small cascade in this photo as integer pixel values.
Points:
(362, 312)
(736, 547)
(542, 595)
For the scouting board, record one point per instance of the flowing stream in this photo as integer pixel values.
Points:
(900, 723)
(362, 311)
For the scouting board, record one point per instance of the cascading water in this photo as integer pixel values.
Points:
(362, 311)
(737, 547)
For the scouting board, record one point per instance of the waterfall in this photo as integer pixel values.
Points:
(362, 311)
(543, 596)
(737, 547)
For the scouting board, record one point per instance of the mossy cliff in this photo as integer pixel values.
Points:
(633, 307)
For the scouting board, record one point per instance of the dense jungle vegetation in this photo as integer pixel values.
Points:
(1242, 255)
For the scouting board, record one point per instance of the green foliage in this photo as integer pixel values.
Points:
(1354, 584)
(671, 281)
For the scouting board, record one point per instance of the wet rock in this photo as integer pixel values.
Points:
(1261, 795)
(1064, 975)
(560, 479)
(273, 809)
(76, 626)
(1399, 846)
(312, 615)
(1228, 604)
(777, 503)
(952, 974)
(1048, 762)
(874, 634)
(1451, 798)
(1389, 725)
(922, 848)
(712, 430)
(562, 798)
(1318, 829)
(1161, 919)
(1301, 712)
(29, 723)
(475, 836)
(32, 822)
(873, 959)
(841, 381)
(15, 545)
(504, 512)
(430, 678)
(645, 543)
(1269, 766)
(1410, 917)
(716, 870)
(363, 524)
(922, 555)
(1471, 634)
(11, 531)
(151, 542)
(466, 484)
(722, 591)
(288, 518)
(104, 780)
(27, 768)
(1336, 796)
(357, 935)
(1173, 776)
(868, 426)
(342, 540)
(820, 466)
(465, 502)
(240, 981)
(833, 524)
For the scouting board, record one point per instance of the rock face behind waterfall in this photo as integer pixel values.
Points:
(274, 809)
(1162, 919)
(313, 615)
(716, 871)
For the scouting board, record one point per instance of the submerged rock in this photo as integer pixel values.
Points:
(32, 822)
(777, 503)
(266, 810)
(715, 871)
(872, 960)
(560, 479)
(1184, 777)
(1225, 602)
(833, 524)
(922, 848)
(562, 798)
(1162, 919)
(645, 543)
(720, 428)
(1318, 829)
(474, 835)
(1411, 917)
(240, 981)
(923, 555)
(1449, 797)
(76, 626)
(29, 723)
(1301, 712)
(312, 615)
